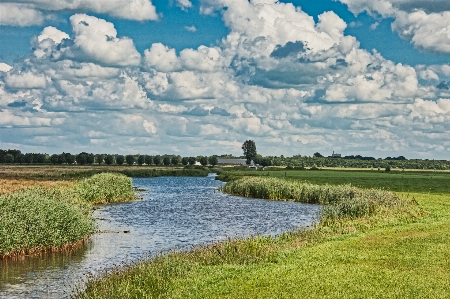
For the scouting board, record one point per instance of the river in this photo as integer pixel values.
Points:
(174, 213)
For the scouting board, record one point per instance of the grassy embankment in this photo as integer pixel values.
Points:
(391, 253)
(40, 216)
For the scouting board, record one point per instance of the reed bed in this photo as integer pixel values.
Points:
(340, 201)
(40, 216)
(106, 188)
(39, 219)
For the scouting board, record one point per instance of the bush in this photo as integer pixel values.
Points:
(106, 188)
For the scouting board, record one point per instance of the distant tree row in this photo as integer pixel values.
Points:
(15, 156)
(84, 158)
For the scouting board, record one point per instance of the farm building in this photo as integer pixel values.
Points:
(223, 161)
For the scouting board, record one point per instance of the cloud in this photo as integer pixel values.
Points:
(95, 40)
(161, 58)
(5, 67)
(425, 23)
(27, 13)
(16, 14)
(52, 33)
(190, 28)
(219, 111)
(184, 4)
(292, 84)
(26, 80)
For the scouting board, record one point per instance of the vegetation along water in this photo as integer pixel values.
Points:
(396, 248)
(35, 219)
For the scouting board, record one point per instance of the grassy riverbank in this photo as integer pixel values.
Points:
(52, 216)
(402, 254)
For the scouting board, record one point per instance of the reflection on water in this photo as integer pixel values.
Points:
(176, 212)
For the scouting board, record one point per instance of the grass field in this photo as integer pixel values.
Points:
(405, 257)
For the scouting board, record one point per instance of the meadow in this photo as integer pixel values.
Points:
(392, 253)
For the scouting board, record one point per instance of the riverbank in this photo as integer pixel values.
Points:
(54, 216)
(404, 255)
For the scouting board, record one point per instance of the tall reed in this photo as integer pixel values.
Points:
(38, 219)
(338, 200)
(106, 188)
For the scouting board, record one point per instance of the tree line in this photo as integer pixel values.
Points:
(83, 158)
(296, 161)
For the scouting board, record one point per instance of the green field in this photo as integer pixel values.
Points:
(369, 257)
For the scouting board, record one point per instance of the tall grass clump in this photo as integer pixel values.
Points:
(340, 201)
(106, 188)
(39, 219)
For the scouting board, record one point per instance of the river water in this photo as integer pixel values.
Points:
(174, 213)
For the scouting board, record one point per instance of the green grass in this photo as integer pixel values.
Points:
(38, 219)
(394, 255)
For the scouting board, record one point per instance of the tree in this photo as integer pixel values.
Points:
(28, 158)
(203, 160)
(82, 158)
(192, 160)
(249, 148)
(61, 159)
(70, 159)
(266, 162)
(100, 159)
(20, 158)
(90, 159)
(213, 160)
(318, 155)
(257, 159)
(9, 158)
(109, 159)
(157, 160)
(148, 160)
(54, 159)
(185, 161)
(167, 160)
(129, 159)
(175, 160)
(141, 159)
(120, 159)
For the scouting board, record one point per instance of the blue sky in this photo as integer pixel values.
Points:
(200, 77)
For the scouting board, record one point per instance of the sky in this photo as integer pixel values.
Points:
(199, 77)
